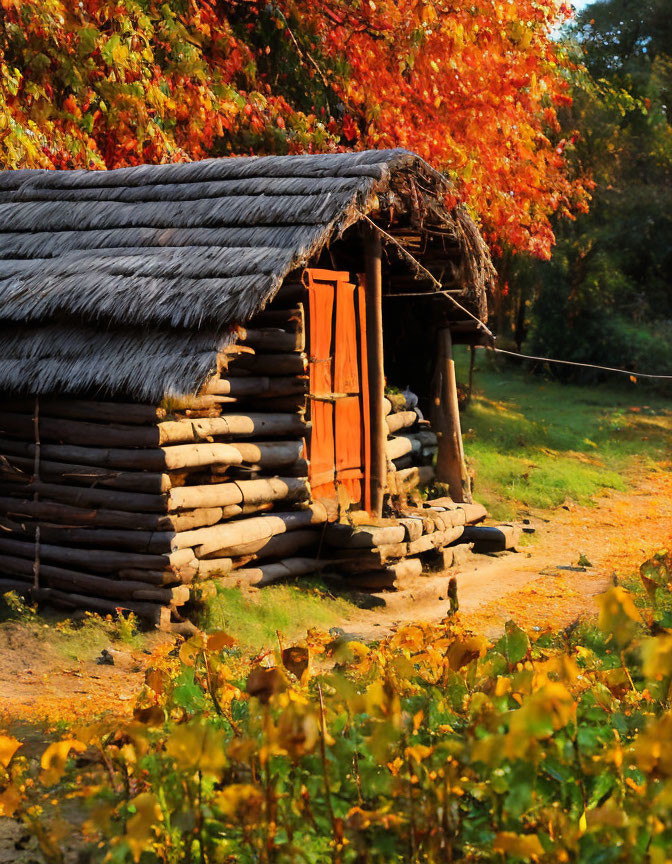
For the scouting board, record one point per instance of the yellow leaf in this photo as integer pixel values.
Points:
(140, 827)
(583, 823)
(55, 758)
(120, 54)
(657, 654)
(521, 845)
(9, 801)
(503, 686)
(191, 649)
(619, 615)
(197, 747)
(239, 799)
(8, 747)
(652, 749)
(463, 651)
(419, 752)
(357, 651)
(546, 711)
(428, 13)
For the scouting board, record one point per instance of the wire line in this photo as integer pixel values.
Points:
(440, 289)
(576, 363)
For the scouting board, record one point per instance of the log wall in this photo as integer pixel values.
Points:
(411, 448)
(108, 504)
(112, 505)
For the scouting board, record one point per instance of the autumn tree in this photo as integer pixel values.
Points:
(605, 297)
(473, 87)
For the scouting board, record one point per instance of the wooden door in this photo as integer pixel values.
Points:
(339, 440)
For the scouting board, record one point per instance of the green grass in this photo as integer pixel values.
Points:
(534, 443)
(254, 619)
(81, 639)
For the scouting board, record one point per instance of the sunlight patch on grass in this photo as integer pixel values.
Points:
(534, 443)
(253, 619)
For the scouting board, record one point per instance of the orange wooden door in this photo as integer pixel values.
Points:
(338, 390)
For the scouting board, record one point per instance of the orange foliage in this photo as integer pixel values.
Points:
(473, 87)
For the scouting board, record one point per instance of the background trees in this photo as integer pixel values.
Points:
(605, 297)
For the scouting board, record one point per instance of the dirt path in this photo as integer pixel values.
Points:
(38, 684)
(534, 585)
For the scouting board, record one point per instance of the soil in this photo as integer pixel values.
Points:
(38, 684)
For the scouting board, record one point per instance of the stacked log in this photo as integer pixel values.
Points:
(411, 448)
(393, 552)
(108, 505)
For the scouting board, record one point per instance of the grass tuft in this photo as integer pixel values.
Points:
(253, 619)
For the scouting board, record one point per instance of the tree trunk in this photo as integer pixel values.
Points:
(268, 364)
(401, 420)
(257, 386)
(408, 479)
(82, 409)
(251, 492)
(97, 586)
(88, 475)
(273, 339)
(158, 615)
(181, 562)
(111, 499)
(266, 574)
(266, 424)
(221, 538)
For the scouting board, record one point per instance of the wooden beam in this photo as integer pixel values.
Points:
(374, 337)
(450, 464)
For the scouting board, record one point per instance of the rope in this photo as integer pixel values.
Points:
(481, 325)
(422, 293)
(576, 363)
(433, 279)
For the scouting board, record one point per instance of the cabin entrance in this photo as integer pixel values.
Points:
(340, 444)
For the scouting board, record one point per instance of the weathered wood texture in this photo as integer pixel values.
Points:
(376, 364)
(450, 464)
(119, 501)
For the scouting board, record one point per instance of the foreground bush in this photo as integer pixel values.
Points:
(432, 746)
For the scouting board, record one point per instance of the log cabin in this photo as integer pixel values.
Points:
(201, 368)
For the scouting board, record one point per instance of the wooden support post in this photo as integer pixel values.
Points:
(36, 497)
(374, 337)
(450, 464)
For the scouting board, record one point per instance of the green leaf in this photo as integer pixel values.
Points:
(604, 783)
(517, 643)
(88, 37)
(188, 694)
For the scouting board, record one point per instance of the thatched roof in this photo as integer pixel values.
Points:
(129, 281)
